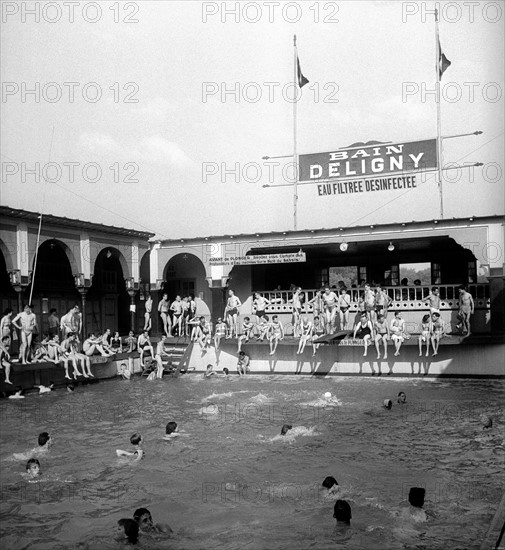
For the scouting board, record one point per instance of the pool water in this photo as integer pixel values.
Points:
(230, 481)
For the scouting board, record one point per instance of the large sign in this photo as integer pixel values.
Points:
(370, 160)
(260, 259)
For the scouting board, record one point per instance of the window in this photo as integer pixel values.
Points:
(348, 274)
(322, 277)
(472, 272)
(436, 277)
(418, 272)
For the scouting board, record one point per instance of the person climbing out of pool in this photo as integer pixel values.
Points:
(163, 310)
(127, 529)
(33, 468)
(402, 398)
(363, 329)
(209, 372)
(276, 333)
(286, 428)
(144, 519)
(138, 453)
(330, 484)
(243, 363)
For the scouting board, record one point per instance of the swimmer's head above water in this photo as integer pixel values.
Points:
(402, 398)
(45, 439)
(136, 439)
(388, 404)
(144, 519)
(330, 483)
(129, 529)
(286, 428)
(171, 427)
(226, 371)
(342, 512)
(416, 496)
(33, 467)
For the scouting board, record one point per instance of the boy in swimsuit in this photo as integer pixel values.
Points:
(433, 300)
(163, 308)
(425, 336)
(177, 309)
(263, 328)
(27, 327)
(159, 355)
(232, 311)
(466, 308)
(143, 344)
(147, 315)
(438, 331)
(381, 335)
(363, 329)
(138, 453)
(5, 358)
(344, 303)
(318, 331)
(369, 302)
(220, 332)
(317, 303)
(276, 333)
(247, 332)
(92, 344)
(33, 468)
(145, 522)
(69, 346)
(131, 342)
(306, 332)
(330, 300)
(296, 300)
(398, 331)
(259, 305)
(382, 301)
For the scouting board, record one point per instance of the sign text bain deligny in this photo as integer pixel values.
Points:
(369, 162)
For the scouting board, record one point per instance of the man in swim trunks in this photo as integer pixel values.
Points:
(5, 358)
(143, 344)
(220, 332)
(296, 300)
(344, 303)
(163, 309)
(433, 300)
(438, 331)
(466, 308)
(382, 301)
(381, 335)
(232, 311)
(247, 332)
(177, 310)
(369, 303)
(363, 329)
(425, 336)
(330, 300)
(259, 305)
(27, 327)
(276, 333)
(147, 315)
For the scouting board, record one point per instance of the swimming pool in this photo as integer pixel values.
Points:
(231, 481)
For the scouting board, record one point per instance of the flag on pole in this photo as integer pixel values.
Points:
(302, 80)
(443, 62)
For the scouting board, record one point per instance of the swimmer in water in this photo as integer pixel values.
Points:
(144, 520)
(285, 429)
(18, 394)
(45, 389)
(342, 513)
(33, 468)
(225, 374)
(388, 404)
(45, 441)
(402, 398)
(486, 421)
(209, 372)
(124, 371)
(171, 430)
(127, 529)
(138, 453)
(330, 484)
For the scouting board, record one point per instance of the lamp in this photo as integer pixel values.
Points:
(15, 276)
(391, 247)
(344, 246)
(79, 280)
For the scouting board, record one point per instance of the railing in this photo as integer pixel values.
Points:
(403, 297)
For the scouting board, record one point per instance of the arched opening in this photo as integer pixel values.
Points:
(185, 274)
(53, 283)
(107, 299)
(7, 292)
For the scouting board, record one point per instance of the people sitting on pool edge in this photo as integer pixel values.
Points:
(144, 520)
(286, 428)
(138, 453)
(127, 529)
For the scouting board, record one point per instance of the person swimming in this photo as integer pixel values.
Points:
(416, 496)
(127, 529)
(342, 512)
(209, 372)
(388, 404)
(402, 398)
(33, 468)
(138, 453)
(45, 389)
(45, 440)
(286, 428)
(486, 421)
(144, 519)
(330, 483)
(171, 429)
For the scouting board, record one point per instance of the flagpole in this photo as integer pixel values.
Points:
(295, 158)
(439, 120)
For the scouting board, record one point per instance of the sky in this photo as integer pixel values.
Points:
(134, 122)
